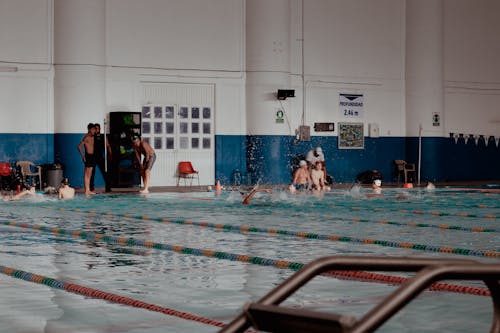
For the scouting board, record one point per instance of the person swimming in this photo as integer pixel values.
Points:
(249, 196)
(377, 186)
(30, 190)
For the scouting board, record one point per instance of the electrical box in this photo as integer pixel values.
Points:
(374, 130)
(304, 133)
(324, 127)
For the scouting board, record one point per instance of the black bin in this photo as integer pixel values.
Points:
(52, 175)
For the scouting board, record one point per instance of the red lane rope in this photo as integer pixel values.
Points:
(99, 294)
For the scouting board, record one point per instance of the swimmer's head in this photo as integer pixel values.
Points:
(65, 181)
(90, 126)
(136, 139)
(377, 182)
(302, 163)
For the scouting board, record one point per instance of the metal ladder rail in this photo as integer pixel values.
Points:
(431, 271)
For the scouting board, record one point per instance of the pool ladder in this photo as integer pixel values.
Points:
(266, 315)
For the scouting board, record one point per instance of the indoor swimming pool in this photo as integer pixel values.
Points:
(189, 262)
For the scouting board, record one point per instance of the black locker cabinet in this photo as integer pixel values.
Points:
(122, 127)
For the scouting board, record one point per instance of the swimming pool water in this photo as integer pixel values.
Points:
(217, 288)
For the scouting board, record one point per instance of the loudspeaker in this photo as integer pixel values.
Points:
(284, 93)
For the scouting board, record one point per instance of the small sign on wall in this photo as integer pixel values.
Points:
(280, 116)
(436, 119)
(351, 105)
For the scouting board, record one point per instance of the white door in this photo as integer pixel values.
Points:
(178, 122)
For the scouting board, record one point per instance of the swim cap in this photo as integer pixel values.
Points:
(319, 150)
(377, 182)
(302, 163)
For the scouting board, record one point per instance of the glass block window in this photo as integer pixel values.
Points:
(158, 143)
(195, 143)
(184, 142)
(146, 112)
(206, 128)
(158, 112)
(183, 112)
(172, 127)
(169, 112)
(207, 114)
(169, 128)
(195, 128)
(169, 143)
(146, 127)
(158, 128)
(195, 113)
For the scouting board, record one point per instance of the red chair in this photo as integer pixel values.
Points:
(185, 170)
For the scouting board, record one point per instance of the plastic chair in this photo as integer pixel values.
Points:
(26, 171)
(186, 171)
(403, 169)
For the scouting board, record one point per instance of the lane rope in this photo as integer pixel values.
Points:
(295, 266)
(419, 212)
(303, 234)
(99, 294)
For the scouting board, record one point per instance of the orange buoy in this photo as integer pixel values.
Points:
(218, 188)
(408, 185)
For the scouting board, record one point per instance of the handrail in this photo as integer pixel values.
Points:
(429, 271)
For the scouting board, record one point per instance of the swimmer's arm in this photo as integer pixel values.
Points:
(247, 199)
(80, 145)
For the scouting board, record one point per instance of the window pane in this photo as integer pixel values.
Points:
(146, 112)
(195, 113)
(146, 127)
(158, 112)
(206, 128)
(169, 112)
(195, 128)
(206, 113)
(206, 143)
(169, 144)
(183, 112)
(183, 128)
(158, 128)
(169, 128)
(157, 144)
(195, 143)
(184, 142)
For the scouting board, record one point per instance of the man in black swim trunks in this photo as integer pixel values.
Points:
(100, 157)
(88, 158)
(141, 147)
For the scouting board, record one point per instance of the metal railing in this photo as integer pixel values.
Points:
(266, 314)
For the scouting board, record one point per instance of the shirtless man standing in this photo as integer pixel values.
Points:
(141, 147)
(88, 158)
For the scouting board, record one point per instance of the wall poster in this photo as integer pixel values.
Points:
(351, 105)
(351, 136)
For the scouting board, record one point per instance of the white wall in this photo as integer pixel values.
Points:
(350, 46)
(175, 34)
(26, 95)
(472, 73)
(183, 41)
(355, 46)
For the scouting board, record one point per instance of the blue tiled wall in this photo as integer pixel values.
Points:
(270, 159)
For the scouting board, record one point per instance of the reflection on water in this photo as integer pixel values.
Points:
(217, 288)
